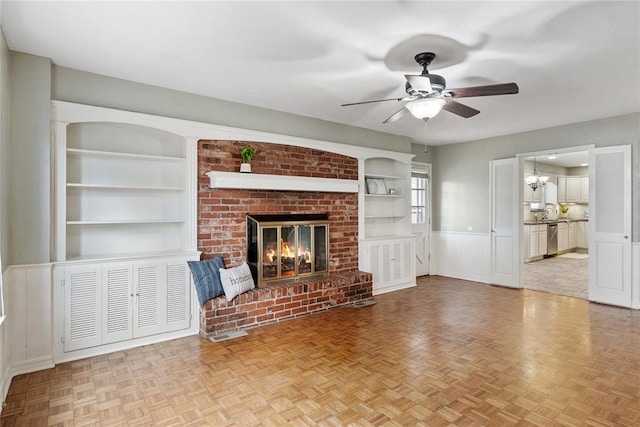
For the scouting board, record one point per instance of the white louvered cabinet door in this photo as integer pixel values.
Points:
(148, 297)
(117, 297)
(177, 307)
(82, 308)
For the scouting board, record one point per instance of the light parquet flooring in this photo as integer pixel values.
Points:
(448, 352)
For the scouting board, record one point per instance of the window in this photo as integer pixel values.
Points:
(418, 198)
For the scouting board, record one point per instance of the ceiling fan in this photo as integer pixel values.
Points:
(428, 94)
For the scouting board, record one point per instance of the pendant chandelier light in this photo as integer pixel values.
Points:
(534, 181)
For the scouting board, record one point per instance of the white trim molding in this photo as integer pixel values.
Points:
(68, 112)
(280, 182)
(635, 275)
(461, 255)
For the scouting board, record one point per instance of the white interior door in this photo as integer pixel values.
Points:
(610, 226)
(505, 246)
(421, 215)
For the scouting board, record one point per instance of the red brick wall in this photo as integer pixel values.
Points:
(282, 302)
(222, 213)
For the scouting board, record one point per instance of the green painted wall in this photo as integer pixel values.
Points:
(4, 150)
(94, 89)
(29, 160)
(461, 171)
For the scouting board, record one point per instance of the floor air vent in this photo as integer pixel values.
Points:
(228, 336)
(364, 303)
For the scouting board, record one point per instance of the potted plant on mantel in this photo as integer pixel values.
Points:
(247, 154)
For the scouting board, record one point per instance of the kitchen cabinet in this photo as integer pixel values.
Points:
(542, 238)
(584, 189)
(550, 191)
(535, 236)
(573, 193)
(573, 189)
(572, 235)
(563, 237)
(562, 189)
(582, 234)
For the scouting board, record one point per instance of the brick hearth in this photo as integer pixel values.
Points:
(276, 303)
(222, 230)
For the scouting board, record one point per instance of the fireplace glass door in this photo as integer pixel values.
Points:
(285, 247)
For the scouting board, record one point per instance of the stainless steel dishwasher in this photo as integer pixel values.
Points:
(552, 239)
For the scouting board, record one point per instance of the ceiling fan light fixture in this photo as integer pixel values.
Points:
(425, 108)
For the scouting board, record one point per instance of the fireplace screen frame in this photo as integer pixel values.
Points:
(256, 226)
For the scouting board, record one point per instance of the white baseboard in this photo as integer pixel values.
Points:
(28, 366)
(125, 345)
(461, 255)
(392, 288)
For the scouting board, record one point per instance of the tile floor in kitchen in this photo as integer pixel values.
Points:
(566, 274)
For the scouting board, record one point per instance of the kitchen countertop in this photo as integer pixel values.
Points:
(553, 221)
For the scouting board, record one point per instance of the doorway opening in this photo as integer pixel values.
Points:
(555, 223)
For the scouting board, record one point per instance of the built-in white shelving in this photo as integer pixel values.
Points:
(387, 248)
(125, 227)
(387, 209)
(115, 154)
(126, 221)
(122, 187)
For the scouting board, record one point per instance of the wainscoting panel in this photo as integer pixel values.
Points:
(461, 255)
(635, 275)
(4, 369)
(28, 329)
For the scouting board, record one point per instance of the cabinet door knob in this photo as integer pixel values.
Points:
(626, 237)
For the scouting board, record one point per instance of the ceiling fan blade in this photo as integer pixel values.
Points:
(459, 109)
(369, 102)
(395, 116)
(499, 89)
(419, 82)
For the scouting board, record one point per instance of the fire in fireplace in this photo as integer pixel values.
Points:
(287, 247)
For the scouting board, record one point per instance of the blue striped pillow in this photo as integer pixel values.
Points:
(206, 277)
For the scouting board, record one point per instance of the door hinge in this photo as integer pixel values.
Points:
(62, 283)
(62, 340)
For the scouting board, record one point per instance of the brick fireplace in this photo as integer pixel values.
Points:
(222, 217)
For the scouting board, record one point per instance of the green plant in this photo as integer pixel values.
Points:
(247, 153)
(564, 209)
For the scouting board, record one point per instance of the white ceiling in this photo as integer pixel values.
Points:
(573, 60)
(567, 160)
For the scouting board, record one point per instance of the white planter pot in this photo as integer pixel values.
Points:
(245, 167)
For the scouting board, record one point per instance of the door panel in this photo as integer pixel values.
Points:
(147, 312)
(177, 310)
(82, 308)
(505, 245)
(609, 229)
(421, 216)
(116, 296)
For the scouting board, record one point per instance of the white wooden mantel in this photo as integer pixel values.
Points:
(256, 181)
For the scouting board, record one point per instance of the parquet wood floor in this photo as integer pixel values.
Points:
(447, 352)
